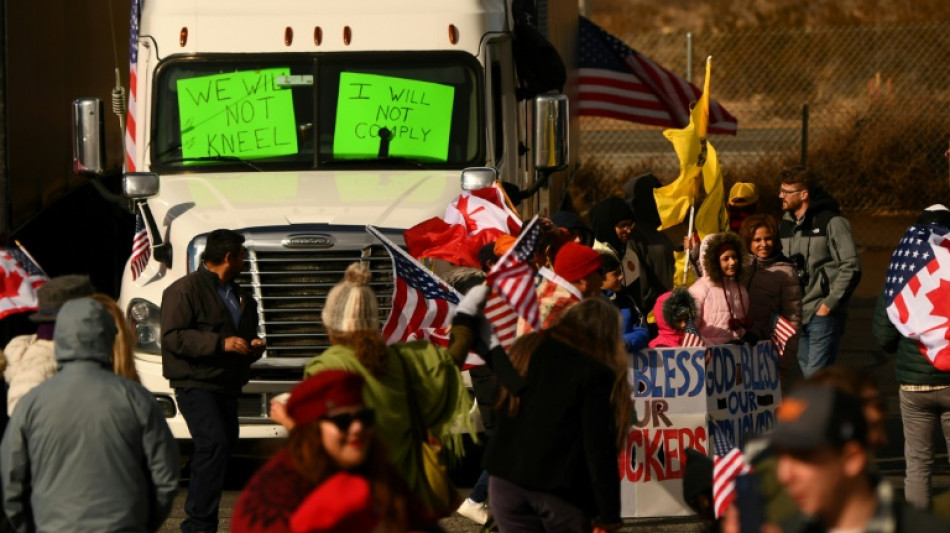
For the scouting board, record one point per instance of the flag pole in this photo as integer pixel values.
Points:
(23, 249)
(689, 235)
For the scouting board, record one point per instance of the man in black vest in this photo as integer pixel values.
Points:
(209, 340)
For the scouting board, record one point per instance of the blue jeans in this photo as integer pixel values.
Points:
(818, 342)
(213, 423)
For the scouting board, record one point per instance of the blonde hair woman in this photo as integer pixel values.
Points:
(123, 363)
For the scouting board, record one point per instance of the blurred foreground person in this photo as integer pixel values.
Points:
(87, 450)
(333, 474)
(553, 457)
(824, 465)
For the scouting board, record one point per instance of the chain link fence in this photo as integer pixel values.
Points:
(867, 106)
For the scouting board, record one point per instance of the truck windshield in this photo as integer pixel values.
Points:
(304, 111)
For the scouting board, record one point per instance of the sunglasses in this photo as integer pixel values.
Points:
(343, 421)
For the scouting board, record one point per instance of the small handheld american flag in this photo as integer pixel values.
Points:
(513, 290)
(691, 336)
(728, 464)
(141, 246)
(423, 305)
(783, 330)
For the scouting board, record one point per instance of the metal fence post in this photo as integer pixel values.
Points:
(689, 56)
(805, 135)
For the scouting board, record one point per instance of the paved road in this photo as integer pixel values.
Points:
(858, 350)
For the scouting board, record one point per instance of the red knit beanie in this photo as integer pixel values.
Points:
(575, 261)
(313, 397)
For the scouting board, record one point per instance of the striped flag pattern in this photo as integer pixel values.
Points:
(691, 338)
(141, 246)
(513, 289)
(782, 331)
(134, 20)
(423, 305)
(618, 82)
(728, 464)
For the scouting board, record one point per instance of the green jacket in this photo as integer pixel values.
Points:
(437, 384)
(823, 240)
(913, 367)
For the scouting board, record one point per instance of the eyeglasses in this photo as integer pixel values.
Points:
(786, 192)
(343, 421)
(624, 225)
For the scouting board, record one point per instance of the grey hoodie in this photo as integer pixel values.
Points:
(87, 450)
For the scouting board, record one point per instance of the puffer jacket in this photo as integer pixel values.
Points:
(30, 361)
(823, 239)
(719, 299)
(773, 290)
(87, 451)
(665, 310)
(911, 366)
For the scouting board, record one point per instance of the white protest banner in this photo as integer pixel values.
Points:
(676, 395)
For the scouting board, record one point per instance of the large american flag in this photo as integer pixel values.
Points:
(20, 276)
(618, 82)
(917, 291)
(513, 289)
(141, 248)
(423, 305)
(781, 332)
(134, 20)
(728, 464)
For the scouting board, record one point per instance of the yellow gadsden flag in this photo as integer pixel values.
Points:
(699, 184)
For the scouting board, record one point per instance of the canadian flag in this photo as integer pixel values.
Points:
(917, 291)
(471, 221)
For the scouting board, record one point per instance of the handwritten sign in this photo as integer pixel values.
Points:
(239, 114)
(677, 393)
(417, 114)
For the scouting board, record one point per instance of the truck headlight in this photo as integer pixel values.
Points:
(145, 318)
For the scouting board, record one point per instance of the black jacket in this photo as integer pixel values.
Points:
(563, 439)
(195, 322)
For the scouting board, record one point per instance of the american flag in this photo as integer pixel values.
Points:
(691, 336)
(513, 289)
(618, 82)
(141, 248)
(728, 464)
(20, 276)
(423, 305)
(781, 332)
(917, 291)
(134, 20)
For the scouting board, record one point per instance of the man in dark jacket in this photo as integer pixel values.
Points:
(924, 389)
(819, 240)
(87, 450)
(209, 340)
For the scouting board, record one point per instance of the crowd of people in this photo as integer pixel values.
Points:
(371, 424)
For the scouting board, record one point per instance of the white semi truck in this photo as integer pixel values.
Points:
(299, 122)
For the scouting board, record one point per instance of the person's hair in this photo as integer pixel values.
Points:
(851, 381)
(752, 224)
(463, 278)
(220, 243)
(368, 346)
(123, 363)
(591, 326)
(799, 176)
(715, 248)
(389, 491)
(611, 261)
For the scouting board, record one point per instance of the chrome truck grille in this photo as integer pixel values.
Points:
(290, 287)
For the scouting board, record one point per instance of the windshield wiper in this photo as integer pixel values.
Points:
(214, 159)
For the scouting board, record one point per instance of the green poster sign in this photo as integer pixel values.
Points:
(418, 115)
(242, 114)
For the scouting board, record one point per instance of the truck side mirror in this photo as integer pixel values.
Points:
(140, 185)
(89, 147)
(550, 132)
(475, 178)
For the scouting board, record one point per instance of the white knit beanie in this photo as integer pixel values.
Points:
(351, 304)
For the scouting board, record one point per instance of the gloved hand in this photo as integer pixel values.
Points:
(473, 302)
(750, 338)
(486, 339)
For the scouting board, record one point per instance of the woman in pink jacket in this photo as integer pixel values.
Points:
(722, 303)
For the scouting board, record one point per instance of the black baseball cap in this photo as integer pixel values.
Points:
(816, 416)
